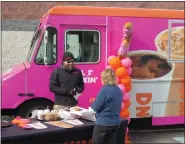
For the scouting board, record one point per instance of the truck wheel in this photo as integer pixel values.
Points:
(29, 109)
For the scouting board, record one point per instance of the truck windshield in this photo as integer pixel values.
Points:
(47, 53)
(33, 44)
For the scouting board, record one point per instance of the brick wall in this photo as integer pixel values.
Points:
(20, 18)
(35, 10)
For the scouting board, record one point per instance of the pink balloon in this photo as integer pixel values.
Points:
(117, 79)
(126, 97)
(129, 71)
(122, 106)
(122, 87)
(126, 94)
(110, 57)
(108, 67)
(126, 62)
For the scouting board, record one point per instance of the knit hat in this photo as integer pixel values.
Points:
(68, 56)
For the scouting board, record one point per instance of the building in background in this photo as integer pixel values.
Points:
(19, 20)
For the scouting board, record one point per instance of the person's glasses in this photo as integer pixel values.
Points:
(71, 61)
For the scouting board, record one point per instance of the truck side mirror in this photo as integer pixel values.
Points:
(45, 48)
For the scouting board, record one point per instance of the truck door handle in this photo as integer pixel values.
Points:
(23, 94)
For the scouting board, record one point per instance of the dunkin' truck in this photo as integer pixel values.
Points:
(92, 34)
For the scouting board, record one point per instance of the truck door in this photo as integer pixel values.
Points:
(43, 63)
(88, 45)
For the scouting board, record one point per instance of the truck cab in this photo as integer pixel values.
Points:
(25, 87)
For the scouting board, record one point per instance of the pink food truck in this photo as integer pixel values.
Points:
(92, 34)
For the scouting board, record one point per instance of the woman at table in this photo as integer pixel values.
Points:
(107, 106)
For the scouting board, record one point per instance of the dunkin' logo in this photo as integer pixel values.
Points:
(144, 109)
(88, 77)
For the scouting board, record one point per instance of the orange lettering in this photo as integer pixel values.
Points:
(182, 114)
(182, 90)
(143, 111)
(182, 108)
(144, 98)
(182, 105)
(182, 98)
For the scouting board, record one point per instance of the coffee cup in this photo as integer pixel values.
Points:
(176, 45)
(150, 95)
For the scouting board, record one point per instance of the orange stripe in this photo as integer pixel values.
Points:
(182, 97)
(113, 11)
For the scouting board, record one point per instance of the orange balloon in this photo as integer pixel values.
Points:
(90, 141)
(121, 72)
(124, 113)
(127, 103)
(128, 88)
(91, 100)
(125, 81)
(84, 142)
(115, 62)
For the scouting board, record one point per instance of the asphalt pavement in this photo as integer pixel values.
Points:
(157, 136)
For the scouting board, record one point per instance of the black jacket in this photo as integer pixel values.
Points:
(62, 82)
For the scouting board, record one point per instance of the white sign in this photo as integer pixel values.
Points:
(88, 78)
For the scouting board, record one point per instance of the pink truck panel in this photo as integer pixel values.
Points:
(12, 84)
(147, 37)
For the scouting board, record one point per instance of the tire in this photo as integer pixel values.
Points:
(28, 109)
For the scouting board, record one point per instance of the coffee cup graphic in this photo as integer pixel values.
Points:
(177, 43)
(151, 79)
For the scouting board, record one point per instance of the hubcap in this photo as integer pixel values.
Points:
(33, 112)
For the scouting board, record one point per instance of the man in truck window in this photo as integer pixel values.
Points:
(66, 82)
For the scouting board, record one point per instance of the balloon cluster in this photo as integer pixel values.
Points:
(121, 64)
(123, 70)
